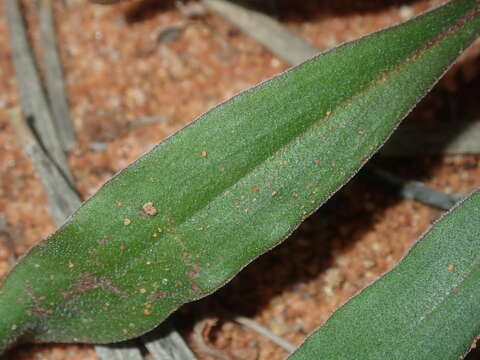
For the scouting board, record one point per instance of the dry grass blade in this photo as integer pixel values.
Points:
(284, 344)
(62, 198)
(271, 34)
(54, 77)
(34, 103)
(124, 351)
(411, 189)
(166, 343)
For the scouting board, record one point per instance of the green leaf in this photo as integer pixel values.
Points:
(426, 308)
(185, 218)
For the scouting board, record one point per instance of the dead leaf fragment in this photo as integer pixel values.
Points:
(149, 209)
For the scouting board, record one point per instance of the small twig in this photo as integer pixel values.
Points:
(198, 332)
(264, 29)
(34, 103)
(414, 190)
(54, 77)
(284, 344)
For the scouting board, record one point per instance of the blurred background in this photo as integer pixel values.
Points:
(137, 71)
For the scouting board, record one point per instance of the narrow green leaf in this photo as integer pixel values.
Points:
(184, 219)
(426, 308)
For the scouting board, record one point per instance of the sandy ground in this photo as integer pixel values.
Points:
(137, 72)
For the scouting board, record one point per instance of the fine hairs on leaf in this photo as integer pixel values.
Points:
(185, 218)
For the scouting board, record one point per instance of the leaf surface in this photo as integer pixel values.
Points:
(185, 218)
(426, 308)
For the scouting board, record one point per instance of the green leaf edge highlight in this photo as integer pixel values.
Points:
(425, 308)
(227, 188)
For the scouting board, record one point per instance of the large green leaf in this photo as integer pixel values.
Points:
(185, 218)
(426, 308)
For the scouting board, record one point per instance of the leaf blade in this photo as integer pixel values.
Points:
(423, 309)
(185, 218)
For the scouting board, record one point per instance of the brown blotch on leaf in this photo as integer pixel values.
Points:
(157, 295)
(195, 289)
(37, 307)
(88, 282)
